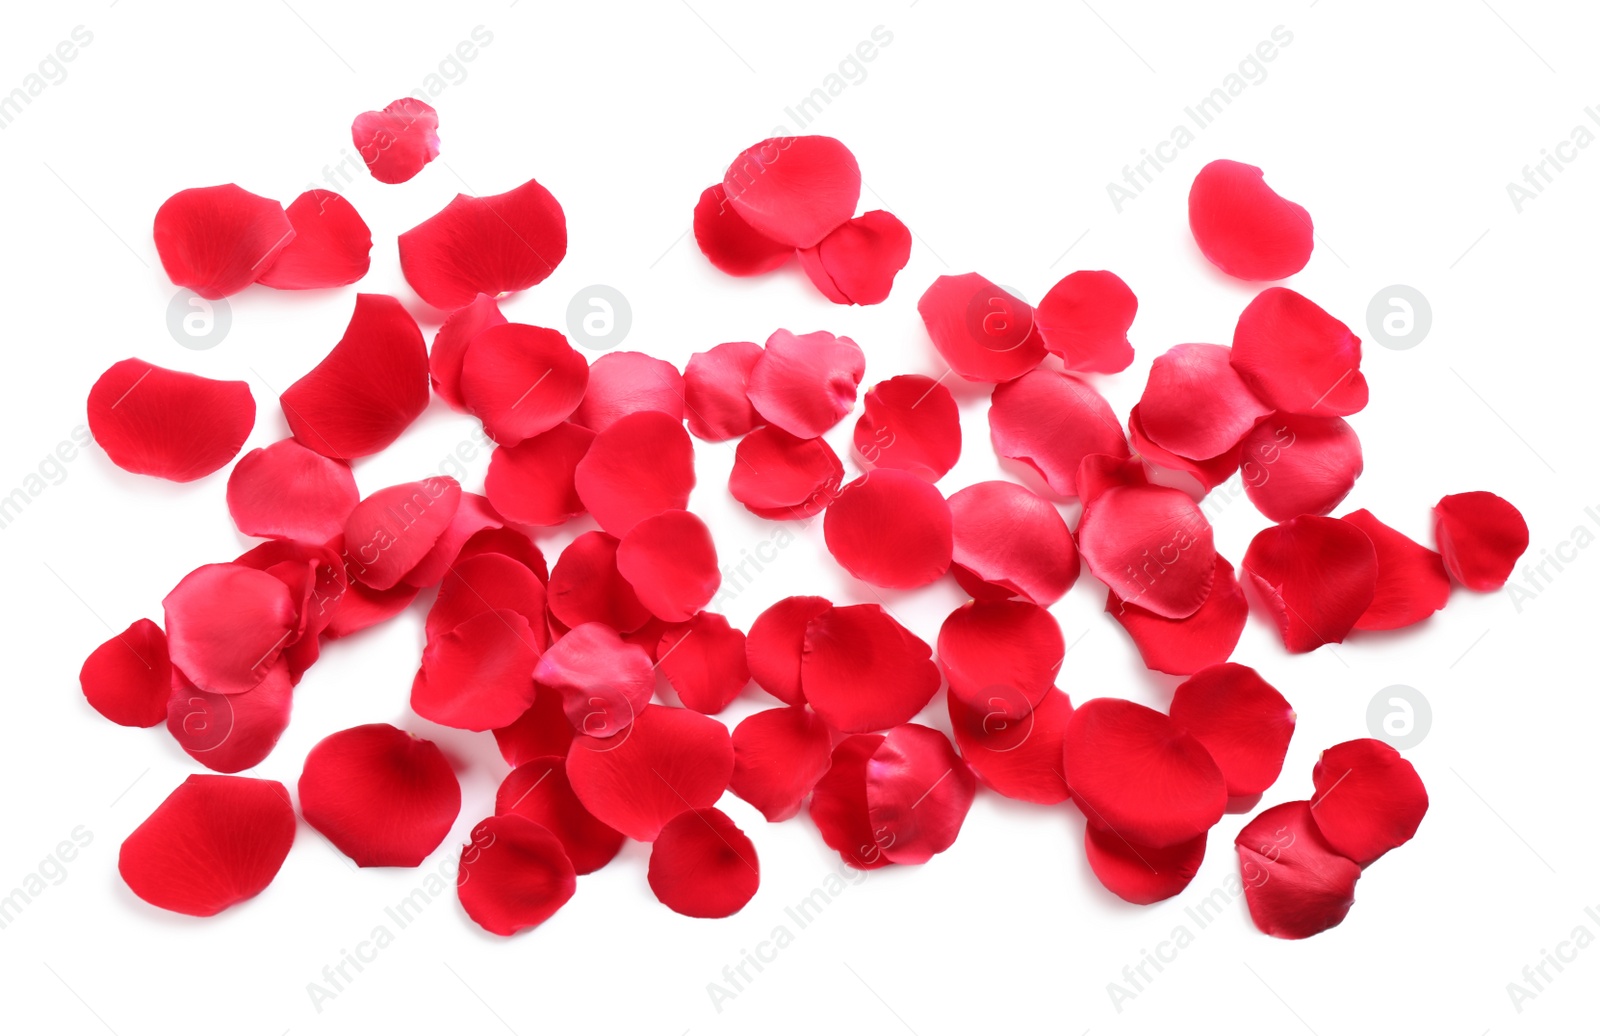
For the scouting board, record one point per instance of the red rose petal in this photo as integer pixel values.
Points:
(478, 676)
(1000, 655)
(539, 791)
(911, 423)
(514, 874)
(702, 865)
(1195, 404)
(1241, 719)
(532, 482)
(779, 755)
(540, 731)
(1209, 473)
(490, 245)
(671, 563)
(732, 245)
(891, 529)
(317, 584)
(1051, 421)
(794, 189)
(856, 263)
(863, 671)
(1244, 227)
(397, 141)
(128, 679)
(1412, 582)
(918, 793)
(1480, 537)
(1009, 541)
(154, 421)
(1085, 318)
(393, 529)
(286, 490)
(1299, 464)
(1140, 776)
(1152, 546)
(383, 797)
(636, 468)
(715, 391)
(1369, 800)
(450, 346)
(362, 607)
(1296, 357)
(512, 544)
(1139, 873)
(473, 515)
(213, 842)
(1187, 645)
(603, 681)
(226, 625)
(778, 476)
(368, 389)
(625, 383)
(230, 732)
(805, 383)
(482, 583)
(587, 587)
(1295, 883)
(704, 661)
(1316, 577)
(984, 332)
(667, 761)
(218, 240)
(521, 380)
(839, 804)
(332, 244)
(1099, 472)
(1018, 757)
(776, 642)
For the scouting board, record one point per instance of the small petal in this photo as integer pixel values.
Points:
(667, 761)
(514, 875)
(776, 643)
(1051, 421)
(704, 661)
(603, 681)
(1241, 719)
(1001, 655)
(918, 793)
(1246, 228)
(1195, 404)
(639, 466)
(1316, 577)
(794, 189)
(451, 342)
(779, 755)
(1187, 645)
(911, 423)
(154, 421)
(1298, 464)
(671, 563)
(856, 263)
(398, 141)
(230, 732)
(226, 626)
(891, 529)
(128, 679)
(217, 240)
(1085, 318)
(288, 491)
(1142, 874)
(702, 865)
(624, 383)
(805, 383)
(778, 476)
(521, 380)
(1296, 358)
(1295, 883)
(732, 245)
(1480, 537)
(984, 332)
(716, 391)
(1152, 546)
(542, 730)
(331, 247)
(586, 586)
(478, 676)
(1011, 542)
(532, 482)
(539, 791)
(392, 530)
(862, 670)
(1412, 581)
(1018, 757)
(490, 245)
(1368, 800)
(839, 804)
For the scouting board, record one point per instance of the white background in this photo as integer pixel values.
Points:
(992, 130)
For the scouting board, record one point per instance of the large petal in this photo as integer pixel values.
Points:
(862, 670)
(495, 244)
(383, 797)
(794, 189)
(1051, 421)
(218, 240)
(154, 421)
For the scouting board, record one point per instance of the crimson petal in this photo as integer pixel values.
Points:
(732, 245)
(1001, 655)
(1142, 874)
(984, 332)
(1152, 546)
(624, 383)
(218, 240)
(128, 679)
(332, 244)
(1011, 542)
(514, 875)
(1195, 404)
(539, 791)
(1187, 645)
(1369, 800)
(1299, 464)
(1412, 582)
(154, 421)
(1085, 318)
(805, 383)
(667, 761)
(715, 391)
(586, 586)
(1018, 757)
(704, 661)
(1316, 577)
(1051, 421)
(1244, 227)
(478, 676)
(1241, 719)
(671, 563)
(383, 797)
(779, 476)
(779, 755)
(495, 244)
(288, 491)
(856, 263)
(450, 345)
(1209, 473)
(391, 531)
(794, 190)
(1296, 357)
(918, 793)
(636, 468)
(702, 865)
(1295, 883)
(230, 732)
(839, 804)
(891, 529)
(398, 141)
(226, 625)
(521, 380)
(603, 681)
(776, 642)
(1480, 537)
(532, 482)
(911, 423)
(540, 731)
(862, 670)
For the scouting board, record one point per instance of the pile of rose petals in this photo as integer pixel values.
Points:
(575, 667)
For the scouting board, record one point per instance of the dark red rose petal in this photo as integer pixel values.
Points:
(514, 874)
(521, 380)
(1299, 464)
(1241, 719)
(891, 529)
(704, 661)
(667, 761)
(490, 245)
(603, 681)
(368, 389)
(1085, 318)
(1412, 582)
(1480, 537)
(805, 383)
(332, 244)
(450, 346)
(984, 332)
(218, 240)
(1140, 776)
(230, 732)
(863, 671)
(1001, 650)
(1316, 577)
(839, 804)
(154, 421)
(478, 676)
(702, 865)
(539, 791)
(732, 245)
(1244, 227)
(625, 383)
(392, 530)
(532, 482)
(128, 679)
(911, 423)
(383, 797)
(288, 491)
(1010, 542)
(512, 544)
(716, 391)
(775, 643)
(1099, 472)
(1152, 546)
(1051, 421)
(1369, 800)
(1209, 474)
(1295, 883)
(639, 466)
(226, 625)
(482, 583)
(1187, 645)
(918, 793)
(794, 189)
(1140, 873)
(778, 476)
(1297, 358)
(473, 516)
(856, 263)
(213, 842)
(540, 731)
(398, 141)
(587, 587)
(779, 755)
(671, 563)
(1018, 757)
(1195, 404)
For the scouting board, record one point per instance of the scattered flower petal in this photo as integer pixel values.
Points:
(776, 642)
(778, 476)
(1369, 800)
(891, 529)
(984, 332)
(702, 865)
(911, 423)
(1018, 757)
(779, 755)
(288, 491)
(636, 468)
(1152, 546)
(1195, 405)
(863, 671)
(918, 793)
(1050, 422)
(514, 874)
(794, 189)
(856, 263)
(704, 661)
(671, 563)
(217, 240)
(1480, 537)
(1412, 582)
(1316, 577)
(450, 345)
(732, 245)
(1296, 358)
(331, 247)
(805, 383)
(383, 797)
(625, 383)
(1142, 874)
(1295, 883)
(667, 761)
(1299, 464)
(398, 141)
(1244, 227)
(716, 394)
(392, 530)
(1085, 318)
(603, 681)
(539, 791)
(491, 245)
(1241, 719)
(128, 679)
(1187, 645)
(154, 421)
(1011, 542)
